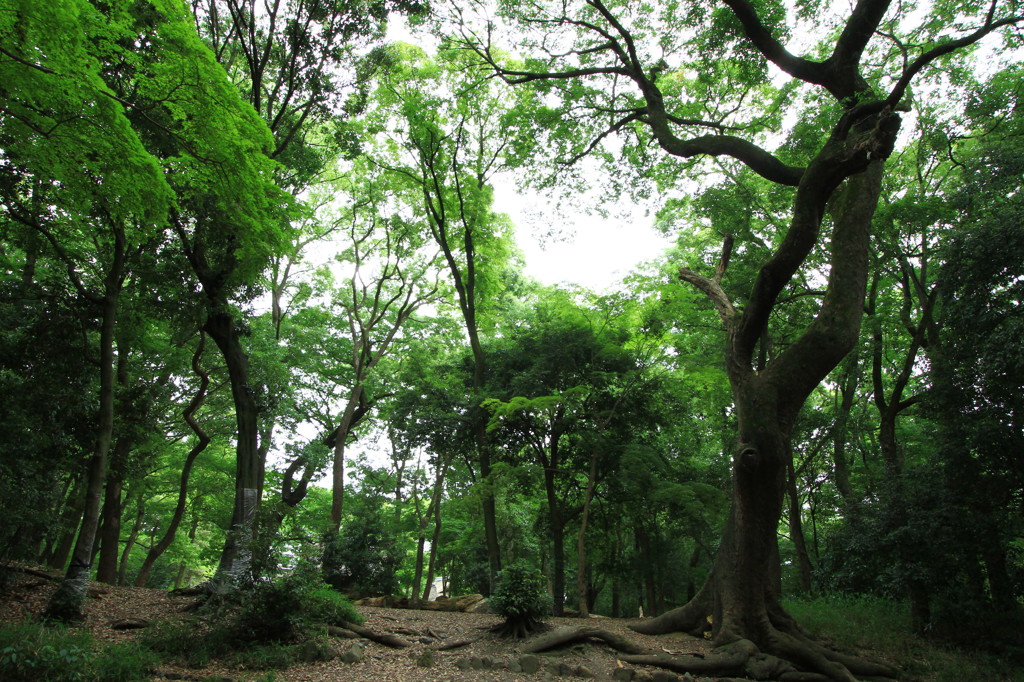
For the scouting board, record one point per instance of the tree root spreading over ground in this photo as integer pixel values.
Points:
(798, 660)
(782, 651)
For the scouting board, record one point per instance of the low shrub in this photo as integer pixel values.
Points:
(521, 598)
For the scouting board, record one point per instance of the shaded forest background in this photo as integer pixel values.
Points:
(258, 309)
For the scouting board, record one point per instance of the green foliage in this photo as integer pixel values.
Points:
(268, 625)
(283, 609)
(30, 652)
(520, 595)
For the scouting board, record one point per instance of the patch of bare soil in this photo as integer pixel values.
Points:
(485, 658)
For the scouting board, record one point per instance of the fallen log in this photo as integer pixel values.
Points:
(566, 635)
(387, 639)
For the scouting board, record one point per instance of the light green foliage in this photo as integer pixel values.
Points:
(62, 124)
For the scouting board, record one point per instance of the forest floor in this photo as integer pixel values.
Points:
(486, 658)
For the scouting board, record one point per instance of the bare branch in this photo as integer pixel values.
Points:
(712, 288)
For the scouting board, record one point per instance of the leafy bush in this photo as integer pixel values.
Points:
(268, 625)
(521, 597)
(32, 652)
(281, 610)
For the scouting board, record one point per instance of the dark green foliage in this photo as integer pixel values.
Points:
(282, 610)
(521, 598)
(267, 625)
(32, 652)
(883, 627)
(364, 557)
(46, 429)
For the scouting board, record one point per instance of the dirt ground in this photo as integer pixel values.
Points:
(487, 658)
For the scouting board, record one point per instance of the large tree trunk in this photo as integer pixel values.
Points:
(741, 594)
(236, 557)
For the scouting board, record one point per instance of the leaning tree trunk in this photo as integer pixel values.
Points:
(202, 440)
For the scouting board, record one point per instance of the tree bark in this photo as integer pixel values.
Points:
(741, 593)
(202, 440)
(236, 557)
(129, 545)
(338, 464)
(110, 531)
(71, 519)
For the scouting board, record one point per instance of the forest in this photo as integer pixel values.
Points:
(261, 313)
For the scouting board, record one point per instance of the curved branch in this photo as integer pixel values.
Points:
(900, 88)
(754, 157)
(765, 43)
(845, 58)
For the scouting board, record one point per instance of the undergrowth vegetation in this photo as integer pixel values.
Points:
(271, 625)
(33, 652)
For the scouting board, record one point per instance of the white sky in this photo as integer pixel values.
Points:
(590, 251)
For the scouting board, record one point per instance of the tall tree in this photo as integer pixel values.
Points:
(454, 136)
(679, 79)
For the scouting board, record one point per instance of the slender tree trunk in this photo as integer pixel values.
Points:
(338, 465)
(848, 392)
(581, 541)
(70, 521)
(202, 440)
(434, 541)
(129, 545)
(433, 510)
(796, 531)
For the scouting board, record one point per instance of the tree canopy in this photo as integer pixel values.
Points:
(255, 248)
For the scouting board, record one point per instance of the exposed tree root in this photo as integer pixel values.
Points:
(566, 635)
(344, 633)
(786, 653)
(456, 644)
(691, 618)
(518, 628)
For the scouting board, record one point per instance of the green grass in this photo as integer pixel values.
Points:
(880, 628)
